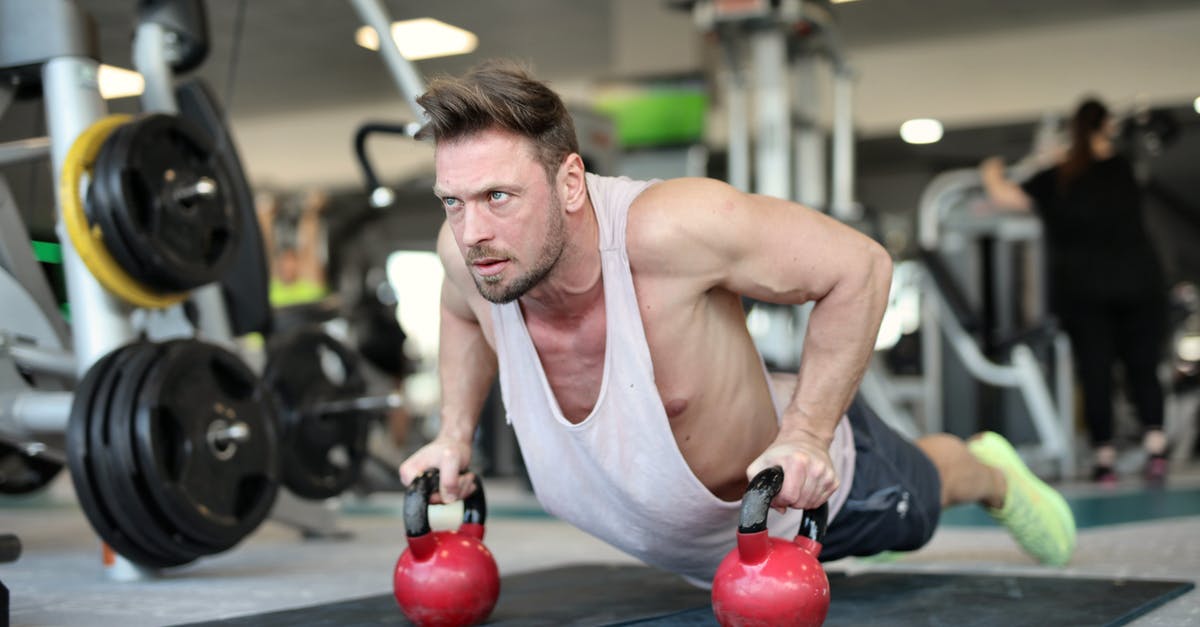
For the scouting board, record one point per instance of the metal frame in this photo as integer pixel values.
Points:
(783, 85)
(789, 155)
(53, 42)
(1052, 413)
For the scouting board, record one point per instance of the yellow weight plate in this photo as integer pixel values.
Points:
(86, 239)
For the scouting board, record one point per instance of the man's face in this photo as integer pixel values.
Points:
(287, 266)
(506, 217)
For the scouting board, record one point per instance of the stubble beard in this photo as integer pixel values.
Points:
(493, 288)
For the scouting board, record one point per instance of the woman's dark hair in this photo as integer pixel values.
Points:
(1088, 119)
(500, 94)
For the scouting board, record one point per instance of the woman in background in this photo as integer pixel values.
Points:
(1106, 283)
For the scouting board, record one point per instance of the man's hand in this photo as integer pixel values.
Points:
(450, 457)
(808, 475)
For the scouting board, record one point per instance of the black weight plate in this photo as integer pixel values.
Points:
(215, 493)
(100, 209)
(124, 480)
(116, 167)
(117, 482)
(89, 404)
(123, 215)
(182, 245)
(21, 473)
(322, 454)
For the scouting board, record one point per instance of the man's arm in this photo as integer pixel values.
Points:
(308, 238)
(267, 209)
(778, 251)
(466, 369)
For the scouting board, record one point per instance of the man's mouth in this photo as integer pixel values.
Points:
(489, 266)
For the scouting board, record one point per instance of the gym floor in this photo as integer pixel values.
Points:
(1126, 532)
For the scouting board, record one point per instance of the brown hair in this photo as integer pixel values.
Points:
(1089, 117)
(500, 94)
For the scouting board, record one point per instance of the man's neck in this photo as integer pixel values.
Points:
(575, 285)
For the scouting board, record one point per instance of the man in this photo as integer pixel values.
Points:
(293, 246)
(612, 311)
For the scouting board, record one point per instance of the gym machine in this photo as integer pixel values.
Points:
(984, 312)
(985, 309)
(177, 439)
(784, 42)
(772, 54)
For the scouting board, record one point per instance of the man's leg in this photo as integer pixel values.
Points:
(894, 500)
(965, 479)
(986, 470)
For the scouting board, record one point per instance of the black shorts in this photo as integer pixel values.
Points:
(895, 498)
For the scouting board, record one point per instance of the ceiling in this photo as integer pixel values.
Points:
(298, 86)
(295, 55)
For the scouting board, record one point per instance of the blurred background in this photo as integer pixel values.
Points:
(650, 87)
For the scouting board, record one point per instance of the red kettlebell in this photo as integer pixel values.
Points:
(445, 578)
(769, 581)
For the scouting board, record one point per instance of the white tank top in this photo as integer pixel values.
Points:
(619, 475)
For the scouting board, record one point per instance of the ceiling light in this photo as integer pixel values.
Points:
(117, 82)
(843, 1)
(1196, 105)
(422, 38)
(921, 131)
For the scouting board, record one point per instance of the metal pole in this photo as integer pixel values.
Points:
(931, 357)
(810, 140)
(737, 115)
(72, 101)
(407, 79)
(41, 412)
(23, 150)
(773, 134)
(150, 59)
(843, 206)
(41, 360)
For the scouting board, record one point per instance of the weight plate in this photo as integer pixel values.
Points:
(88, 243)
(182, 240)
(100, 211)
(112, 183)
(322, 454)
(173, 243)
(121, 475)
(206, 440)
(21, 473)
(89, 405)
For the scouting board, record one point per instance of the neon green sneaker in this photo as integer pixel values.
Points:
(1035, 514)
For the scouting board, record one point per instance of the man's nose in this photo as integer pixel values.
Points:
(476, 226)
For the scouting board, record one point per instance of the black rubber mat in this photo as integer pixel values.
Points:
(621, 595)
(975, 601)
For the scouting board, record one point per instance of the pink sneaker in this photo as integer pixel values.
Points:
(1155, 471)
(1104, 475)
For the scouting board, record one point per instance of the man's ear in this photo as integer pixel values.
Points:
(571, 183)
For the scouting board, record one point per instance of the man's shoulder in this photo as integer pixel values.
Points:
(670, 218)
(677, 205)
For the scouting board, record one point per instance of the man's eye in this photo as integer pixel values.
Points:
(450, 202)
(498, 196)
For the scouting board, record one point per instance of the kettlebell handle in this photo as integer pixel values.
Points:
(757, 502)
(416, 504)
